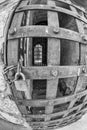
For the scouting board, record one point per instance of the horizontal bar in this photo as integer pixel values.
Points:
(51, 8)
(52, 72)
(72, 4)
(53, 114)
(58, 120)
(45, 31)
(56, 123)
(45, 102)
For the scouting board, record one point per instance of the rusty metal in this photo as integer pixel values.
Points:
(54, 92)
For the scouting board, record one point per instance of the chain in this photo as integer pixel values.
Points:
(5, 71)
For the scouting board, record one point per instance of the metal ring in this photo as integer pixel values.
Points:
(21, 75)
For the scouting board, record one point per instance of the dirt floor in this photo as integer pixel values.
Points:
(4, 125)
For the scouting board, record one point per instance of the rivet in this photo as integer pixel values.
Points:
(12, 31)
(2, 95)
(56, 30)
(84, 38)
(84, 70)
(54, 73)
(53, 7)
(85, 26)
(50, 103)
(21, 121)
(46, 30)
(41, 5)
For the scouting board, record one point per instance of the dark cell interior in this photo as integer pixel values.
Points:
(57, 117)
(80, 3)
(39, 89)
(79, 101)
(24, 19)
(39, 17)
(38, 2)
(52, 126)
(73, 112)
(78, 114)
(37, 120)
(84, 106)
(61, 4)
(69, 53)
(68, 22)
(40, 53)
(80, 12)
(61, 107)
(37, 110)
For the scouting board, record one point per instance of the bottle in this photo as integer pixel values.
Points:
(38, 55)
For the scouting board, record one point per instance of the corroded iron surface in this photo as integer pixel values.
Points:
(57, 95)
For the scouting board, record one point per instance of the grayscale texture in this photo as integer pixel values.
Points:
(8, 109)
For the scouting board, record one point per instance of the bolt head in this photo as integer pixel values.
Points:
(56, 30)
(84, 38)
(54, 73)
(12, 31)
(84, 70)
(85, 26)
(53, 7)
(50, 103)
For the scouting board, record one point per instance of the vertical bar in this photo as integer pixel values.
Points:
(12, 49)
(12, 54)
(53, 57)
(83, 55)
(29, 52)
(81, 79)
(83, 51)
